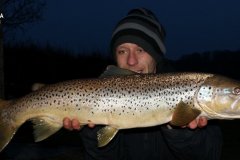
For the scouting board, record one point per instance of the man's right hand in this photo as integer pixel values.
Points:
(74, 124)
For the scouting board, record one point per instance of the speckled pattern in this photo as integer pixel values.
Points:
(119, 100)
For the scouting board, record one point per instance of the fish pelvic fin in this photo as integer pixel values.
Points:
(7, 129)
(44, 127)
(184, 114)
(105, 135)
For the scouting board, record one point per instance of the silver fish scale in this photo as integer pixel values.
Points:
(121, 102)
(205, 93)
(118, 95)
(134, 94)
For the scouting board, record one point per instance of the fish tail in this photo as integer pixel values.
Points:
(7, 129)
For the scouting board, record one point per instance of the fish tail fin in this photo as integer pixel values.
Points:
(7, 129)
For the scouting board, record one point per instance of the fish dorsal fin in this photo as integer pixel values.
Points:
(44, 127)
(4, 103)
(112, 70)
(37, 86)
(105, 135)
(184, 114)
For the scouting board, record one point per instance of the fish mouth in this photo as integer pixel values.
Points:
(235, 103)
(139, 71)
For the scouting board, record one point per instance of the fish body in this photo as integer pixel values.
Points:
(122, 102)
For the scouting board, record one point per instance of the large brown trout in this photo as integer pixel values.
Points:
(121, 102)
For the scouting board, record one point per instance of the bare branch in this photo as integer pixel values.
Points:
(19, 13)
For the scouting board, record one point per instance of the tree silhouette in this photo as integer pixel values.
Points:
(1, 62)
(17, 15)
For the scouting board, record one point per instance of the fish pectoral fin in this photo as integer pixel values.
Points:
(44, 127)
(105, 135)
(184, 114)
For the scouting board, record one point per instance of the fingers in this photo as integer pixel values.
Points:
(193, 124)
(71, 124)
(91, 125)
(74, 124)
(199, 122)
(67, 124)
(202, 122)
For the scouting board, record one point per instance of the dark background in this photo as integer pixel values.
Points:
(86, 26)
(70, 41)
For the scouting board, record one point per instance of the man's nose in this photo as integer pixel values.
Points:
(132, 59)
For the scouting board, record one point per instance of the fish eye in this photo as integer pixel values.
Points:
(236, 91)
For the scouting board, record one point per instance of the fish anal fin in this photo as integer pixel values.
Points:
(44, 127)
(184, 114)
(105, 135)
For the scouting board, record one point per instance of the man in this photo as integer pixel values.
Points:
(137, 44)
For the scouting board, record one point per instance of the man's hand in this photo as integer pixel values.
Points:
(74, 124)
(199, 122)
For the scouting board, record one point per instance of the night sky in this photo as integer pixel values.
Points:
(191, 26)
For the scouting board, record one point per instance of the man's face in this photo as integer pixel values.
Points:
(131, 56)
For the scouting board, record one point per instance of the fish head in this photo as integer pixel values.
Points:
(219, 97)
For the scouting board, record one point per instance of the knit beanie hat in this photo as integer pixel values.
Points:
(140, 27)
